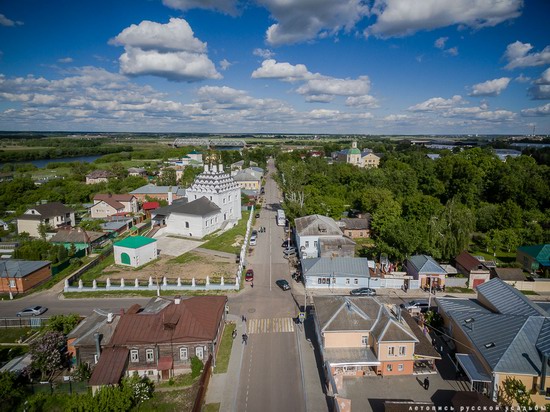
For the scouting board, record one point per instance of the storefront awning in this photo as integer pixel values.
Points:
(472, 368)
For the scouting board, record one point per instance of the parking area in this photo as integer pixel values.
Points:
(173, 246)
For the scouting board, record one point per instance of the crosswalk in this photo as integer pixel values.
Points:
(274, 325)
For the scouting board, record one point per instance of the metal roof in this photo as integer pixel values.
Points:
(135, 242)
(198, 207)
(425, 264)
(317, 225)
(508, 300)
(337, 267)
(15, 268)
(154, 189)
(48, 210)
(539, 252)
(350, 355)
(110, 368)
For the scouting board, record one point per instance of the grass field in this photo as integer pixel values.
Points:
(225, 242)
(11, 335)
(224, 352)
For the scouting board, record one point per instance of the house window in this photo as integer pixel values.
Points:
(402, 350)
(400, 367)
(355, 281)
(315, 243)
(322, 280)
(206, 223)
(183, 354)
(347, 281)
(187, 225)
(12, 283)
(230, 198)
(361, 234)
(134, 355)
(333, 280)
(349, 234)
(224, 200)
(389, 367)
(150, 355)
(365, 340)
(307, 243)
(391, 351)
(199, 352)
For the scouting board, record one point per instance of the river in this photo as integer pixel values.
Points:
(41, 163)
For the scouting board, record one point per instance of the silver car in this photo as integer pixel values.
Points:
(32, 311)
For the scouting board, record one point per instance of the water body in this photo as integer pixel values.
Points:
(41, 163)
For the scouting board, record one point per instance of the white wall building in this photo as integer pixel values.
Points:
(320, 236)
(135, 251)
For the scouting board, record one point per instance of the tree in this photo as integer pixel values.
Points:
(91, 225)
(196, 366)
(11, 391)
(63, 323)
(48, 355)
(167, 177)
(43, 229)
(451, 230)
(513, 393)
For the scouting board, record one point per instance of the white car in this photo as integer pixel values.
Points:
(289, 252)
(32, 311)
(253, 240)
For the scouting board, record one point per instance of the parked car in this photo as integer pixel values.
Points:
(290, 252)
(283, 284)
(421, 305)
(363, 292)
(32, 311)
(249, 276)
(286, 244)
(253, 240)
(257, 215)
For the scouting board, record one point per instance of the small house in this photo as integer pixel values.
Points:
(534, 258)
(356, 228)
(135, 251)
(18, 276)
(98, 176)
(54, 215)
(426, 271)
(474, 269)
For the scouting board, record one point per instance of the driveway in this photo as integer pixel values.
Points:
(173, 246)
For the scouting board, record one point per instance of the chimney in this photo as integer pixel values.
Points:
(97, 345)
(177, 301)
(170, 196)
(109, 317)
(121, 312)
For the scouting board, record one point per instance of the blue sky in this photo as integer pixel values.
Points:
(294, 66)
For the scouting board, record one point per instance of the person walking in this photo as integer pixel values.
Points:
(244, 338)
(426, 383)
(252, 285)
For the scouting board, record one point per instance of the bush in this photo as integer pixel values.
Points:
(196, 366)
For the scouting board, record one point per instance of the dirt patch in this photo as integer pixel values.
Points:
(194, 264)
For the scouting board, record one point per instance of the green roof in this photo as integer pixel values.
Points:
(195, 152)
(135, 242)
(539, 252)
(354, 151)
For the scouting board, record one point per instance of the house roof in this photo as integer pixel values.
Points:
(15, 268)
(336, 241)
(541, 253)
(76, 236)
(359, 223)
(350, 355)
(317, 225)
(510, 274)
(469, 262)
(83, 333)
(110, 367)
(194, 319)
(151, 189)
(151, 205)
(125, 197)
(423, 347)
(337, 267)
(98, 174)
(47, 210)
(135, 242)
(111, 202)
(508, 300)
(425, 264)
(244, 176)
(199, 207)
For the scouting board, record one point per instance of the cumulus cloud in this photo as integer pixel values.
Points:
(166, 50)
(302, 20)
(271, 69)
(4, 21)
(541, 87)
(336, 87)
(490, 87)
(437, 103)
(263, 53)
(362, 101)
(65, 60)
(453, 51)
(537, 111)
(225, 6)
(225, 64)
(517, 54)
(440, 43)
(404, 17)
(522, 78)
(544, 77)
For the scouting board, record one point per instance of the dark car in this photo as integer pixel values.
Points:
(286, 243)
(257, 215)
(416, 305)
(249, 277)
(363, 292)
(32, 311)
(283, 284)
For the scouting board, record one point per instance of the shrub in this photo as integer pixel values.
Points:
(196, 366)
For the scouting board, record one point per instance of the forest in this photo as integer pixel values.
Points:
(418, 205)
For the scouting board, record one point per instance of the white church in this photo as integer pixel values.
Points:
(213, 202)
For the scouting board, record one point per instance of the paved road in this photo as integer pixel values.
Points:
(271, 376)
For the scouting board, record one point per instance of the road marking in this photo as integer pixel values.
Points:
(274, 325)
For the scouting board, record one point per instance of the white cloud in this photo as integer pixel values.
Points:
(453, 51)
(4, 21)
(263, 53)
(362, 101)
(225, 6)
(440, 43)
(225, 64)
(287, 72)
(539, 92)
(302, 20)
(517, 54)
(165, 50)
(337, 87)
(405, 17)
(537, 111)
(437, 103)
(319, 98)
(397, 118)
(65, 60)
(490, 87)
(522, 78)
(544, 77)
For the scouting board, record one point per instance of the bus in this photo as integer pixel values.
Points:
(281, 218)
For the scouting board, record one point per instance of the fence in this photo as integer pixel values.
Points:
(76, 275)
(242, 260)
(65, 264)
(58, 387)
(537, 285)
(203, 385)
(31, 322)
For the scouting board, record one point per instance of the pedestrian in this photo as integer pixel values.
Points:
(234, 333)
(242, 318)
(244, 338)
(426, 383)
(252, 285)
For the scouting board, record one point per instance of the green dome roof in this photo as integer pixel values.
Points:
(354, 151)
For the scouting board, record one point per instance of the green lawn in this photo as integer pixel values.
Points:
(178, 400)
(186, 258)
(10, 335)
(224, 242)
(211, 407)
(502, 257)
(224, 352)
(179, 381)
(97, 270)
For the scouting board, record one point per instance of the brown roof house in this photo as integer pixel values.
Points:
(160, 339)
(472, 267)
(356, 228)
(508, 275)
(98, 176)
(106, 205)
(18, 276)
(54, 214)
